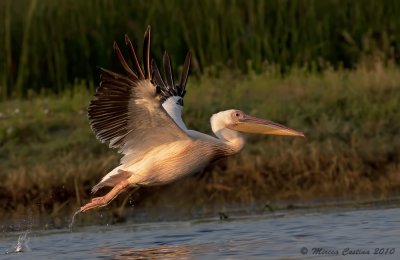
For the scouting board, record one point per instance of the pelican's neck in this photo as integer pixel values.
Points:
(174, 110)
(231, 138)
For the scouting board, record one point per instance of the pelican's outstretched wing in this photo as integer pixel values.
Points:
(126, 110)
(171, 94)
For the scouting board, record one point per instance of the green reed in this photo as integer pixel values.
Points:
(47, 45)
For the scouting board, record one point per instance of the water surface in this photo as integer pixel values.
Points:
(373, 233)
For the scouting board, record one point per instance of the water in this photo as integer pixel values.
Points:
(292, 234)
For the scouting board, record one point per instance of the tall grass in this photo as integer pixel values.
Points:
(47, 45)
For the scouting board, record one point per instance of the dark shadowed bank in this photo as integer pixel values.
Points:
(50, 159)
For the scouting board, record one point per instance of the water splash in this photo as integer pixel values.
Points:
(22, 244)
(73, 219)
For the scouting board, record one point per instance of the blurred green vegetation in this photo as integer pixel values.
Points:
(50, 159)
(46, 45)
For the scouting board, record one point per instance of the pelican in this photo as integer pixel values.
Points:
(139, 112)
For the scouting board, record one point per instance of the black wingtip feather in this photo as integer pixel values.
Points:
(134, 59)
(185, 73)
(156, 77)
(123, 62)
(166, 86)
(168, 74)
(146, 53)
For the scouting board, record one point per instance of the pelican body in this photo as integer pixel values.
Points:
(139, 112)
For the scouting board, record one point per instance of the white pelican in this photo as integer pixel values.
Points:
(139, 112)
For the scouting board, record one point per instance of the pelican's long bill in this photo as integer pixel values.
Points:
(256, 125)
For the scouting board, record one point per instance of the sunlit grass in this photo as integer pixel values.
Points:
(50, 159)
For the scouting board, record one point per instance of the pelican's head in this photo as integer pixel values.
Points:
(239, 121)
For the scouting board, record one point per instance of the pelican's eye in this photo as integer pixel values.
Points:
(238, 115)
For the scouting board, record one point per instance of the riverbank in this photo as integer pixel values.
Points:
(50, 159)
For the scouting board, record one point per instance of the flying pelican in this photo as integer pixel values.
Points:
(139, 112)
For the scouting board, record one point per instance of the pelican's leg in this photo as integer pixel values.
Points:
(104, 200)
